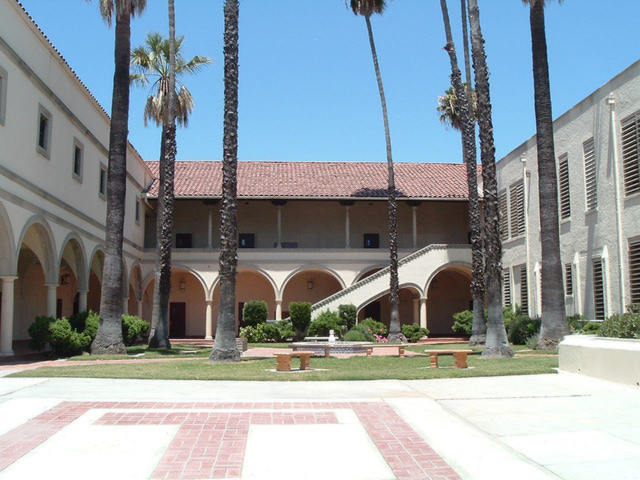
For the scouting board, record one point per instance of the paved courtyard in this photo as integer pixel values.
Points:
(526, 427)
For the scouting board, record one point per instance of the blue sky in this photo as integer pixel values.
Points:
(307, 89)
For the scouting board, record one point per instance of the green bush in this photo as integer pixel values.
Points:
(532, 341)
(132, 328)
(285, 331)
(462, 323)
(633, 308)
(324, 322)
(87, 322)
(254, 312)
(626, 325)
(582, 325)
(592, 328)
(414, 332)
(376, 328)
(65, 341)
(39, 333)
(254, 334)
(357, 335)
(348, 314)
(521, 327)
(300, 313)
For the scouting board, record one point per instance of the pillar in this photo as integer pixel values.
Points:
(82, 300)
(208, 335)
(416, 311)
(278, 310)
(52, 299)
(423, 312)
(6, 332)
(139, 308)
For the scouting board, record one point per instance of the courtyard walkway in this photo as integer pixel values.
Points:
(527, 427)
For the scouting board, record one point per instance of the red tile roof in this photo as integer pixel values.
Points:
(202, 179)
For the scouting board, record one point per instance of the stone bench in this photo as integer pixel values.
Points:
(284, 360)
(399, 346)
(459, 356)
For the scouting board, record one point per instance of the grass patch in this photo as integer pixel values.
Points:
(143, 352)
(355, 368)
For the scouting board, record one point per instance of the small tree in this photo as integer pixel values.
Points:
(348, 315)
(300, 317)
(254, 313)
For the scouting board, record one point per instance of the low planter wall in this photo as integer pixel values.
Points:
(613, 359)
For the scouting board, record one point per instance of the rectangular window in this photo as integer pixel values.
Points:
(102, 186)
(563, 179)
(634, 270)
(598, 289)
(506, 287)
(631, 153)
(516, 208)
(44, 131)
(78, 157)
(568, 279)
(3, 94)
(590, 175)
(137, 210)
(504, 216)
(524, 289)
(183, 240)
(371, 240)
(247, 240)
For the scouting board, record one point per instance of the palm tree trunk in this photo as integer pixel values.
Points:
(479, 325)
(109, 337)
(225, 348)
(395, 332)
(496, 344)
(554, 323)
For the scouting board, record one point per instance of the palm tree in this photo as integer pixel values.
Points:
(109, 336)
(366, 8)
(496, 344)
(225, 348)
(456, 109)
(151, 62)
(554, 322)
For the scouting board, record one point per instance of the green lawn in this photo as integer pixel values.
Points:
(141, 351)
(355, 368)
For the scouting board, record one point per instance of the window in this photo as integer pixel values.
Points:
(568, 279)
(634, 270)
(506, 287)
(137, 210)
(3, 94)
(524, 290)
(183, 240)
(516, 208)
(371, 240)
(631, 153)
(504, 216)
(598, 289)
(563, 179)
(590, 178)
(247, 240)
(44, 132)
(102, 186)
(78, 156)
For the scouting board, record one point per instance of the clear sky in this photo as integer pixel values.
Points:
(307, 88)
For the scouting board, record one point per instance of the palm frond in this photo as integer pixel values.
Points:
(366, 8)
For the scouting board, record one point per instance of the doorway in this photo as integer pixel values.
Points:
(177, 319)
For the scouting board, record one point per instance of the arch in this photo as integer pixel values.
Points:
(379, 305)
(448, 292)
(462, 267)
(367, 271)
(8, 261)
(151, 275)
(78, 256)
(98, 250)
(39, 239)
(135, 279)
(94, 278)
(309, 285)
(311, 268)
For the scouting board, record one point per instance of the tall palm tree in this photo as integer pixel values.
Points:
(152, 62)
(109, 336)
(366, 8)
(554, 322)
(459, 109)
(225, 348)
(496, 344)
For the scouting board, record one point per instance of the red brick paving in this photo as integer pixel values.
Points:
(211, 444)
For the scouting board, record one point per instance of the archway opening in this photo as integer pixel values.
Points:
(449, 293)
(95, 279)
(308, 286)
(71, 278)
(380, 308)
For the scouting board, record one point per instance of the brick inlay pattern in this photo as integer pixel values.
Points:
(211, 444)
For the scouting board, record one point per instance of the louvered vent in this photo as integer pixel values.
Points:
(504, 218)
(506, 287)
(598, 288)
(631, 153)
(568, 279)
(516, 200)
(634, 270)
(590, 178)
(563, 179)
(524, 290)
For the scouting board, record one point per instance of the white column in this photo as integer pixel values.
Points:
(125, 305)
(415, 226)
(208, 335)
(82, 300)
(52, 299)
(347, 228)
(423, 312)
(278, 310)
(6, 334)
(210, 229)
(139, 308)
(279, 226)
(416, 311)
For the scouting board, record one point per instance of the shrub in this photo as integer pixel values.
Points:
(582, 325)
(357, 335)
(348, 314)
(532, 341)
(65, 341)
(521, 327)
(285, 331)
(254, 313)
(254, 334)
(39, 332)
(462, 323)
(414, 332)
(300, 317)
(377, 328)
(132, 328)
(633, 308)
(591, 328)
(325, 322)
(626, 325)
(87, 322)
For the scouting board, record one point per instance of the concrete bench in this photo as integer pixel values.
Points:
(399, 346)
(459, 356)
(284, 360)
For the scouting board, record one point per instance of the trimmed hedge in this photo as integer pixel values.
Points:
(300, 313)
(325, 322)
(39, 332)
(414, 332)
(254, 313)
(132, 328)
(65, 341)
(348, 314)
(626, 325)
(268, 332)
